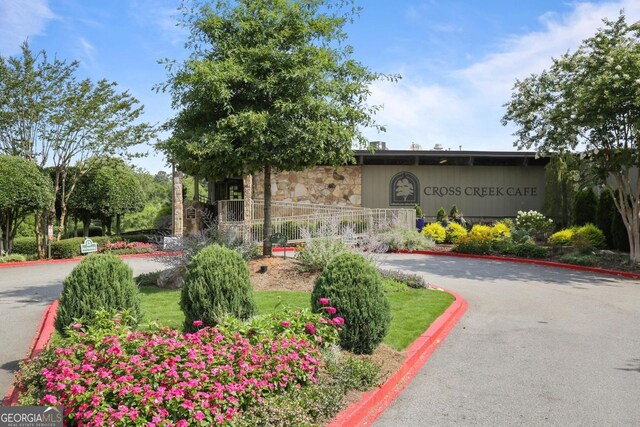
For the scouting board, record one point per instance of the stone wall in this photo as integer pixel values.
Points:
(324, 185)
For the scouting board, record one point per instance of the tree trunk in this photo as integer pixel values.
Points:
(86, 223)
(75, 226)
(63, 218)
(40, 245)
(267, 211)
(118, 223)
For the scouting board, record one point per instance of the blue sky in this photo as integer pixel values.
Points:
(458, 58)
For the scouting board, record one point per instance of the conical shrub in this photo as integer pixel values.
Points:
(216, 285)
(99, 282)
(354, 288)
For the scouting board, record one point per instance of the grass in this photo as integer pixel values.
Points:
(413, 310)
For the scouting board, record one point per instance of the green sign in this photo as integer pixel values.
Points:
(88, 246)
(278, 239)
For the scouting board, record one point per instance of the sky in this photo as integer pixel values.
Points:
(458, 59)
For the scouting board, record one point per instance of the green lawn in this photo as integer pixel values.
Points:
(413, 310)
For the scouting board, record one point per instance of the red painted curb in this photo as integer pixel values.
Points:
(58, 261)
(372, 404)
(625, 274)
(40, 340)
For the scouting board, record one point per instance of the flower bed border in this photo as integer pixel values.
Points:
(79, 258)
(626, 274)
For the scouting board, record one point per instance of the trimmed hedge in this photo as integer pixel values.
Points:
(354, 288)
(99, 282)
(24, 246)
(216, 285)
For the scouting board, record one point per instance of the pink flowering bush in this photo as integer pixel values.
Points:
(107, 374)
(125, 248)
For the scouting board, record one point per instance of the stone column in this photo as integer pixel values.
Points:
(177, 209)
(247, 182)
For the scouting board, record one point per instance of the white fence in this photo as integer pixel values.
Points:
(295, 219)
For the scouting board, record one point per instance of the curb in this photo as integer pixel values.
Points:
(40, 340)
(372, 404)
(625, 274)
(59, 261)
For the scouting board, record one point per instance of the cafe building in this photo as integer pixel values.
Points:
(484, 185)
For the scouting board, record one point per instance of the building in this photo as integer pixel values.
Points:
(482, 184)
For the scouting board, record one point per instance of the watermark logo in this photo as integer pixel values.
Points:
(31, 416)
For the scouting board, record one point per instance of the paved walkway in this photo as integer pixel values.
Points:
(538, 346)
(25, 292)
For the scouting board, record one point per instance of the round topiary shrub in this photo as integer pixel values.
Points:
(99, 282)
(455, 232)
(562, 237)
(216, 285)
(354, 288)
(435, 231)
(589, 235)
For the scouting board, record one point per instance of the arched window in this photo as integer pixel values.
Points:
(404, 189)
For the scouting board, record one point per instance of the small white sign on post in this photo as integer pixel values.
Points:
(88, 246)
(50, 232)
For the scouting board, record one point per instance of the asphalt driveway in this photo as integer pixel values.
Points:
(537, 346)
(25, 292)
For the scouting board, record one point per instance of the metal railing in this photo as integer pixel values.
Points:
(299, 221)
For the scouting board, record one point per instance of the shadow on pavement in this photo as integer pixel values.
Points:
(464, 268)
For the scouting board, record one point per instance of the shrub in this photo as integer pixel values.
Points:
(584, 207)
(481, 231)
(578, 258)
(318, 253)
(454, 232)
(441, 215)
(24, 246)
(605, 212)
(390, 285)
(147, 279)
(414, 281)
(354, 288)
(474, 244)
(435, 231)
(529, 250)
(562, 237)
(534, 221)
(123, 248)
(589, 235)
(216, 284)
(401, 238)
(99, 282)
(501, 229)
(453, 213)
(520, 235)
(619, 234)
(12, 258)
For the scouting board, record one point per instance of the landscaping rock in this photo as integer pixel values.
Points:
(172, 278)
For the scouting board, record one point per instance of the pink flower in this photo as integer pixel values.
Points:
(310, 328)
(199, 416)
(76, 325)
(331, 310)
(338, 320)
(323, 301)
(285, 324)
(51, 400)
(197, 323)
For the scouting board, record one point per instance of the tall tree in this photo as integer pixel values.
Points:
(589, 101)
(269, 85)
(24, 189)
(110, 190)
(51, 117)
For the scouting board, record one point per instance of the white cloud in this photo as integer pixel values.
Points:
(20, 20)
(467, 111)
